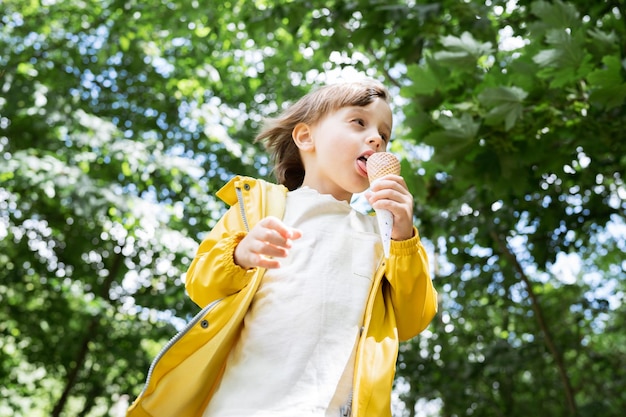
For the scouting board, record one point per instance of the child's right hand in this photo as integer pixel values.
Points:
(270, 238)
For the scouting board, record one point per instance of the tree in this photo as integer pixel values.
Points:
(119, 120)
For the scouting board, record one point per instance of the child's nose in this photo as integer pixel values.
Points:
(376, 141)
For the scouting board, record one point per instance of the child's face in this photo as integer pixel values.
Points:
(341, 142)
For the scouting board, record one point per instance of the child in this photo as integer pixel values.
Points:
(303, 314)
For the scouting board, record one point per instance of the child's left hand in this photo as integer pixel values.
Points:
(391, 193)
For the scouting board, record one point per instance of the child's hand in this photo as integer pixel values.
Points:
(391, 193)
(270, 238)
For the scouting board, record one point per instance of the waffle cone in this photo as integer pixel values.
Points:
(380, 164)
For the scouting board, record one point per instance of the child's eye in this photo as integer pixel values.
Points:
(360, 122)
(384, 137)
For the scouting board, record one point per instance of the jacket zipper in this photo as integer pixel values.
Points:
(195, 320)
(242, 209)
(346, 409)
(198, 317)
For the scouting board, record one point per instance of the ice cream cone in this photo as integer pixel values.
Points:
(378, 165)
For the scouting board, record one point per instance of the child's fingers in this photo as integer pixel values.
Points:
(268, 240)
(281, 228)
(394, 182)
(251, 252)
(267, 263)
(272, 237)
(260, 253)
(265, 248)
(389, 199)
(388, 190)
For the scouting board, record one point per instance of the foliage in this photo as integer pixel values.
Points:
(120, 119)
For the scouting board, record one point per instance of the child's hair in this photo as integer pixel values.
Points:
(276, 133)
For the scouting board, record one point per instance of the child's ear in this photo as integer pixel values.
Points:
(303, 137)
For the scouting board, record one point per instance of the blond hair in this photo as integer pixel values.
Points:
(276, 133)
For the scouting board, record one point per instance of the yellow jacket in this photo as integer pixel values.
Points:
(184, 374)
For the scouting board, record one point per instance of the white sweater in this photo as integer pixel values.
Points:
(295, 354)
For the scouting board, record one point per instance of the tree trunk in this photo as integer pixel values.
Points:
(92, 331)
(72, 375)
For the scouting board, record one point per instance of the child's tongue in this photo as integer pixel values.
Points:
(361, 162)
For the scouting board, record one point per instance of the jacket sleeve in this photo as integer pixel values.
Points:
(413, 296)
(213, 273)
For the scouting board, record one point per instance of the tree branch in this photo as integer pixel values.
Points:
(382, 67)
(556, 354)
(92, 331)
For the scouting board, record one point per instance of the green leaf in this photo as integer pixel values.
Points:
(505, 103)
(464, 126)
(548, 57)
(27, 69)
(498, 95)
(568, 50)
(557, 14)
(124, 43)
(609, 76)
(462, 50)
(450, 146)
(423, 81)
(466, 43)
(604, 37)
(607, 84)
